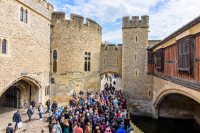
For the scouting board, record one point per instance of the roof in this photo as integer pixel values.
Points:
(185, 27)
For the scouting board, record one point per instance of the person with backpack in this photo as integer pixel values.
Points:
(48, 103)
(30, 112)
(57, 127)
(10, 129)
(40, 109)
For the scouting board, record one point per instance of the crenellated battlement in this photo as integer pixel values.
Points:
(40, 6)
(76, 21)
(135, 22)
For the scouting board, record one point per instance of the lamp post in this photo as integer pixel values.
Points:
(51, 28)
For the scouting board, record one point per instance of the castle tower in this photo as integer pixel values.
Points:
(135, 80)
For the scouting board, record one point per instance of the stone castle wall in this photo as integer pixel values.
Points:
(135, 81)
(27, 47)
(71, 39)
(111, 59)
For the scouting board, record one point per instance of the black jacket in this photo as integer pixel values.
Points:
(17, 117)
(48, 103)
(33, 103)
(54, 106)
(70, 125)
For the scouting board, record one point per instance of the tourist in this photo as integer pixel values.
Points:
(113, 128)
(17, 118)
(66, 126)
(57, 127)
(127, 121)
(33, 105)
(54, 106)
(89, 91)
(66, 112)
(50, 125)
(88, 128)
(83, 124)
(74, 126)
(40, 109)
(70, 124)
(121, 130)
(79, 129)
(48, 103)
(74, 95)
(30, 112)
(56, 115)
(10, 129)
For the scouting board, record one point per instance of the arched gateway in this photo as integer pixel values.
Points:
(19, 92)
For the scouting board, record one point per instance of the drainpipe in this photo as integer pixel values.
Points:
(51, 39)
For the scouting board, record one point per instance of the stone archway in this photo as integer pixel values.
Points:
(177, 103)
(20, 91)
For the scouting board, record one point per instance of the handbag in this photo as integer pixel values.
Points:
(19, 125)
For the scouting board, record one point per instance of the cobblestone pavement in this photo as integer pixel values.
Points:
(35, 126)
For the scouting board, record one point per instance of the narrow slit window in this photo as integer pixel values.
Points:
(25, 16)
(55, 55)
(4, 46)
(136, 38)
(54, 66)
(21, 14)
(135, 56)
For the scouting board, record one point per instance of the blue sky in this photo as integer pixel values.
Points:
(165, 16)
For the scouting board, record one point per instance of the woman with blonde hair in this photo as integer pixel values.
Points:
(74, 126)
(66, 126)
(88, 128)
(83, 124)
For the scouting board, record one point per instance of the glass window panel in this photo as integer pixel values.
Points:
(21, 14)
(55, 55)
(25, 17)
(85, 66)
(85, 55)
(4, 46)
(88, 66)
(54, 66)
(88, 56)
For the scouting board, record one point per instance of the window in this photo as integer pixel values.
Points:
(87, 61)
(54, 66)
(136, 39)
(21, 14)
(160, 59)
(183, 56)
(88, 56)
(4, 46)
(85, 65)
(88, 66)
(136, 74)
(55, 55)
(85, 55)
(25, 16)
(150, 57)
(54, 61)
(135, 57)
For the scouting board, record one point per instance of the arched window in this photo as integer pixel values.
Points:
(85, 55)
(25, 16)
(4, 46)
(85, 66)
(55, 55)
(54, 66)
(88, 66)
(21, 14)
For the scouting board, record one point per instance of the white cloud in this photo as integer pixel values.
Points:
(166, 16)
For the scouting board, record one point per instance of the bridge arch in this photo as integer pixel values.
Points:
(103, 73)
(162, 94)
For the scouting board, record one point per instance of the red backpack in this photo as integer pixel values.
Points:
(103, 126)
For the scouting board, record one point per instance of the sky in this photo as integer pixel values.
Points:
(165, 16)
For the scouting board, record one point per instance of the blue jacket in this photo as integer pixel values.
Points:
(121, 130)
(17, 117)
(30, 112)
(56, 114)
(91, 101)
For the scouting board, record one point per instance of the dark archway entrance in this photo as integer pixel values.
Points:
(13, 97)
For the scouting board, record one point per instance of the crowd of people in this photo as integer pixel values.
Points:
(102, 112)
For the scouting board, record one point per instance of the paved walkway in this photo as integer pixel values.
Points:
(35, 126)
(118, 81)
